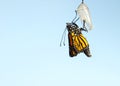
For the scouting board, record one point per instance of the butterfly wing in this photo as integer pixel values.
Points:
(80, 43)
(77, 44)
(72, 50)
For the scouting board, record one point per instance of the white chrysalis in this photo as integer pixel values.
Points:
(84, 14)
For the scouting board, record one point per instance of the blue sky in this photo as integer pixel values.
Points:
(30, 33)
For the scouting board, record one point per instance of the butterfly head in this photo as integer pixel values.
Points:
(71, 26)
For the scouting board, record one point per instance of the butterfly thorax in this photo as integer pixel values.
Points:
(73, 29)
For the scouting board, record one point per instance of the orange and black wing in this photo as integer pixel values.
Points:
(80, 43)
(77, 43)
(72, 50)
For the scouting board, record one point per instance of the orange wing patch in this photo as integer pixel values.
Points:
(77, 43)
(72, 51)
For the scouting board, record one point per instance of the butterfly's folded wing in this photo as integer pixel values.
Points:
(84, 14)
(77, 44)
(72, 51)
(80, 43)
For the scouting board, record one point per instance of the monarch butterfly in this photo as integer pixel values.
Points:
(77, 42)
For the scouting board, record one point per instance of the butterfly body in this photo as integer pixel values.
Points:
(77, 42)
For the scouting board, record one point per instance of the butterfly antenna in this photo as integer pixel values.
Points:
(63, 38)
